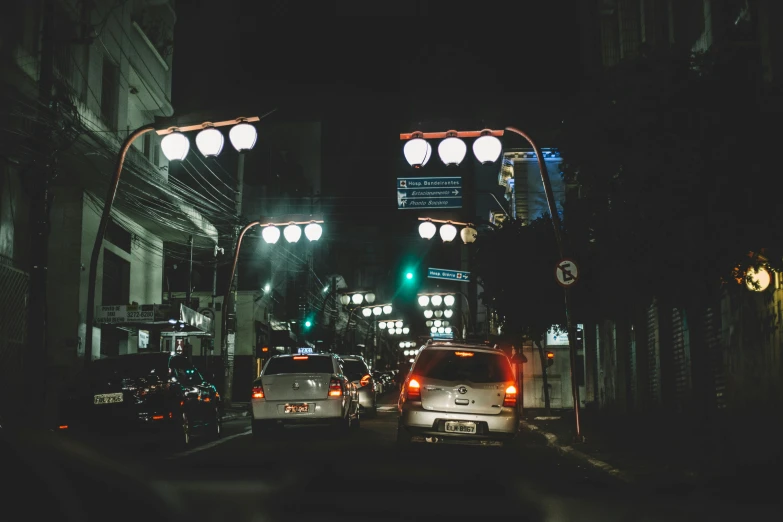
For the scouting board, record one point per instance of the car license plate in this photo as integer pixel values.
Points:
(296, 408)
(460, 427)
(107, 398)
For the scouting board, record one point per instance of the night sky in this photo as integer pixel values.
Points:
(375, 71)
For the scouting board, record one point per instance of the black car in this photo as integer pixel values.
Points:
(156, 392)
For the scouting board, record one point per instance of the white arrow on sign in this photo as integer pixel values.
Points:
(566, 272)
(456, 192)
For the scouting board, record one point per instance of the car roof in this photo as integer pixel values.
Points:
(283, 355)
(463, 345)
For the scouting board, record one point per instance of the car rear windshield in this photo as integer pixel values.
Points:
(355, 369)
(299, 364)
(131, 367)
(456, 365)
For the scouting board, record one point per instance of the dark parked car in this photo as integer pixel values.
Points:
(158, 393)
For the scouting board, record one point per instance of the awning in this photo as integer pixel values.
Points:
(166, 319)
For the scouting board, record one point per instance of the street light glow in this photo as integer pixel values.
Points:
(448, 232)
(377, 310)
(369, 297)
(382, 325)
(366, 312)
(417, 152)
(175, 146)
(313, 231)
(448, 313)
(452, 151)
(243, 136)
(436, 300)
(292, 233)
(210, 142)
(448, 300)
(424, 300)
(357, 299)
(387, 309)
(427, 313)
(427, 229)
(271, 234)
(487, 149)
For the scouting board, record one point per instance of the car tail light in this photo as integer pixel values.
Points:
(335, 388)
(365, 380)
(258, 392)
(414, 390)
(510, 400)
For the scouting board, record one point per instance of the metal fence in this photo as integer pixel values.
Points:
(14, 296)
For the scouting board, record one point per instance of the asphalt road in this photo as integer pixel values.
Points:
(315, 473)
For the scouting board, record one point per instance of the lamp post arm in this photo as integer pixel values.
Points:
(98, 245)
(227, 295)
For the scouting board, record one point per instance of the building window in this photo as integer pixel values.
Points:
(110, 92)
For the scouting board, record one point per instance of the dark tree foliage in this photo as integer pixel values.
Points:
(515, 265)
(673, 160)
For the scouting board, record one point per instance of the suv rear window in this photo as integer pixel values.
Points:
(355, 368)
(480, 367)
(299, 364)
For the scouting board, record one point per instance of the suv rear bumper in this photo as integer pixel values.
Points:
(418, 421)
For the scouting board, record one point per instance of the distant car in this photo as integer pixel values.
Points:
(157, 393)
(458, 392)
(303, 389)
(358, 372)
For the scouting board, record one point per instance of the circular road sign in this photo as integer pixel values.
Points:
(566, 272)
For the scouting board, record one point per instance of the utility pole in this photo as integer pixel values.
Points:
(230, 336)
(189, 291)
(35, 363)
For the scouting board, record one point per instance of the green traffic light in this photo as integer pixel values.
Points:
(409, 275)
(308, 324)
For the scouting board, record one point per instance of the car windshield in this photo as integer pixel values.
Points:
(132, 367)
(450, 365)
(355, 369)
(299, 364)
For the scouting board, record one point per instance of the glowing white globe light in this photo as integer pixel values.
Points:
(487, 149)
(427, 314)
(429, 323)
(387, 309)
(417, 152)
(438, 323)
(452, 151)
(382, 325)
(345, 299)
(757, 280)
(406, 330)
(406, 353)
(468, 235)
(433, 329)
(448, 232)
(398, 331)
(445, 323)
(209, 142)
(402, 344)
(441, 330)
(369, 297)
(398, 324)
(271, 234)
(448, 300)
(292, 233)
(424, 300)
(436, 300)
(408, 344)
(357, 299)
(448, 313)
(377, 310)
(438, 313)
(175, 146)
(410, 361)
(313, 231)
(448, 329)
(427, 229)
(243, 136)
(366, 312)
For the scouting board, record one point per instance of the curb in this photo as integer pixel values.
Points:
(564, 449)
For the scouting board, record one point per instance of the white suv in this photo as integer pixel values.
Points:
(458, 392)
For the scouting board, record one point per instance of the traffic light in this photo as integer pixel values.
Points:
(408, 275)
(550, 358)
(308, 324)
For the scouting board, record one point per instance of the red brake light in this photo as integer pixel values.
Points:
(258, 392)
(510, 400)
(300, 358)
(335, 388)
(414, 390)
(365, 380)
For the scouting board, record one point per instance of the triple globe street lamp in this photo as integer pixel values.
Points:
(175, 146)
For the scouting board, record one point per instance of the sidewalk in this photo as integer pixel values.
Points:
(677, 452)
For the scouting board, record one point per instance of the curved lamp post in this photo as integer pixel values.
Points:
(487, 148)
(175, 146)
(270, 233)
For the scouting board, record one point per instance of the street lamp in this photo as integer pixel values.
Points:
(487, 151)
(176, 148)
(447, 230)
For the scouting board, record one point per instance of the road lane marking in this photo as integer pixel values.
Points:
(212, 444)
